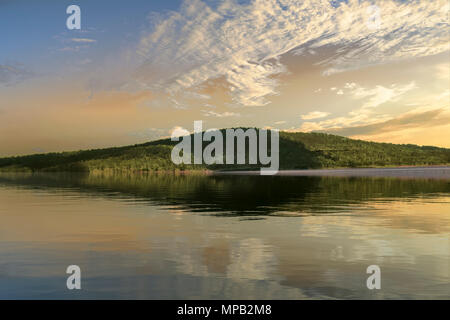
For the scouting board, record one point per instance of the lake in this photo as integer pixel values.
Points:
(150, 236)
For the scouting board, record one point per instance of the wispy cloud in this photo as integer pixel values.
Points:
(243, 43)
(314, 115)
(74, 44)
(209, 113)
(83, 40)
(364, 115)
(443, 71)
(378, 95)
(11, 74)
(414, 119)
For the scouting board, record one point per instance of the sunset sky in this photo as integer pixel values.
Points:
(138, 69)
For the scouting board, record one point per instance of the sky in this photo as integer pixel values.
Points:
(137, 70)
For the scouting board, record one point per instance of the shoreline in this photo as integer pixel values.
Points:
(435, 172)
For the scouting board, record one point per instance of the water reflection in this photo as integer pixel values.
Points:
(164, 236)
(240, 195)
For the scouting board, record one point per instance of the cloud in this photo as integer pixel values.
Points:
(209, 113)
(354, 118)
(443, 71)
(83, 40)
(314, 115)
(364, 115)
(350, 85)
(178, 131)
(13, 73)
(417, 118)
(443, 95)
(380, 94)
(243, 43)
(70, 49)
(74, 44)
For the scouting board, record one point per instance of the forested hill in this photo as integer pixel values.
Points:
(297, 151)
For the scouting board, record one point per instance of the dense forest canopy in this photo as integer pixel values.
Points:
(297, 151)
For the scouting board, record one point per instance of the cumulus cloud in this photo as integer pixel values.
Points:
(314, 115)
(178, 131)
(243, 43)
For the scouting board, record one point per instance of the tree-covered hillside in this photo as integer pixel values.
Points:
(297, 151)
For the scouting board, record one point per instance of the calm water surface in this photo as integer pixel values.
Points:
(232, 237)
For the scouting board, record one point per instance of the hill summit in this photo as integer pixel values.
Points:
(297, 151)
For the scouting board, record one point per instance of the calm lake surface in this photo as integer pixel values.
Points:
(223, 236)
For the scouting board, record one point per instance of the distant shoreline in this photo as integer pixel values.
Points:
(432, 172)
(426, 172)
